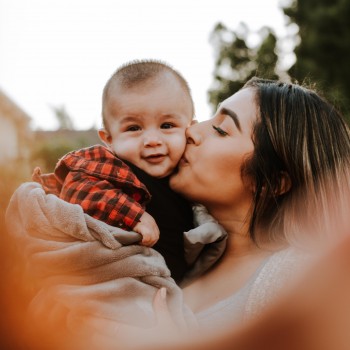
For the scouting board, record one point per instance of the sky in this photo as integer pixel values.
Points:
(61, 53)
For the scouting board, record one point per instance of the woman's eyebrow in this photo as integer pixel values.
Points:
(233, 115)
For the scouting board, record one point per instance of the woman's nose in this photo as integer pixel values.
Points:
(193, 135)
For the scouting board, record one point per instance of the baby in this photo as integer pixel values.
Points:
(146, 108)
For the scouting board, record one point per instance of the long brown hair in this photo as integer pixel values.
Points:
(302, 140)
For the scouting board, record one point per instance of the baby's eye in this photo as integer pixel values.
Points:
(219, 130)
(167, 126)
(133, 128)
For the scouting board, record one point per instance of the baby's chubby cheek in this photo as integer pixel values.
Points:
(124, 149)
(178, 148)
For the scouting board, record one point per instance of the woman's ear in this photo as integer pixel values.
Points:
(285, 184)
(105, 136)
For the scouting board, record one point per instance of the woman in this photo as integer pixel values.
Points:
(268, 167)
(271, 167)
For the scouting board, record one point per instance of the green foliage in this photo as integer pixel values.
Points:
(237, 62)
(49, 147)
(47, 153)
(323, 52)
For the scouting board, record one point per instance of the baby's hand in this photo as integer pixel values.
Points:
(148, 229)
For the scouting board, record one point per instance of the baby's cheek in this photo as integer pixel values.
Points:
(125, 149)
(178, 146)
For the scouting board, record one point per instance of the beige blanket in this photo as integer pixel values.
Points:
(83, 267)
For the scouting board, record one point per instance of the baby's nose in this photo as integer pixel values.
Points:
(152, 139)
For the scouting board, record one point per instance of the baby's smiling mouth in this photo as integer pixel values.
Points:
(155, 158)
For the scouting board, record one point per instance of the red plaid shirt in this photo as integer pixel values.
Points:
(101, 183)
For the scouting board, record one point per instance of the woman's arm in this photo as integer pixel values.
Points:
(313, 316)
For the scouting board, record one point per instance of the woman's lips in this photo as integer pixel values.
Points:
(183, 161)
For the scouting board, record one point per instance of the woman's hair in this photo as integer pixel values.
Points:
(300, 161)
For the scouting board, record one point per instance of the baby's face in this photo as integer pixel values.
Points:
(147, 125)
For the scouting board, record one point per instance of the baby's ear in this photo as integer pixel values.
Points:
(105, 136)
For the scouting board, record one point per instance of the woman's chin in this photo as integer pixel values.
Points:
(176, 180)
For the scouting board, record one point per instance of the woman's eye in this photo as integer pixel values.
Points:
(167, 126)
(133, 128)
(219, 130)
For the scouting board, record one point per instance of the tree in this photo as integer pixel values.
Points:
(236, 61)
(65, 121)
(49, 146)
(323, 51)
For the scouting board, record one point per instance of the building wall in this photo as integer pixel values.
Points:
(9, 143)
(15, 133)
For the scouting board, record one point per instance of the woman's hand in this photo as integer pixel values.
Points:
(108, 334)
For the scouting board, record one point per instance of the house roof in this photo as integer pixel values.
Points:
(9, 109)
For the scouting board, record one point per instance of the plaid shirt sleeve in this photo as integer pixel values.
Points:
(102, 200)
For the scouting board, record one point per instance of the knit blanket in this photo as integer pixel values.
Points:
(82, 267)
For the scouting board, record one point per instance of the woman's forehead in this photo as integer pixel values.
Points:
(242, 104)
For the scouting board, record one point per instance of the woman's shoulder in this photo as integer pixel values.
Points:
(278, 272)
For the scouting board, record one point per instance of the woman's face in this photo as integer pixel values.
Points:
(210, 170)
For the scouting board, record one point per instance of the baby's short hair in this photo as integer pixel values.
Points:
(137, 72)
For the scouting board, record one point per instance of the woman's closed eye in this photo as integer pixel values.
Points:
(220, 131)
